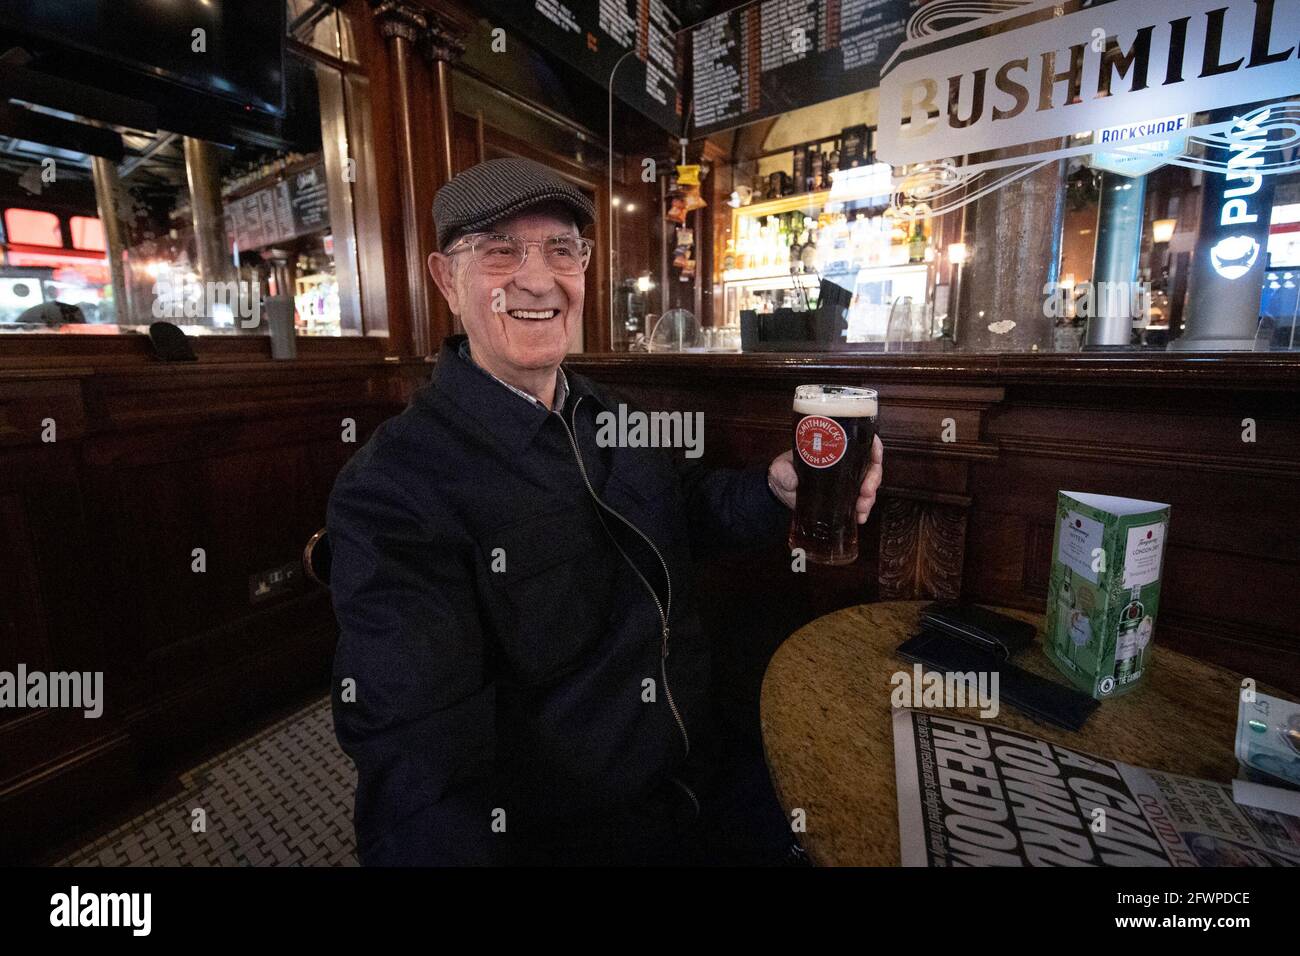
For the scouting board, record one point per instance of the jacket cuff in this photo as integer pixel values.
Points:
(770, 513)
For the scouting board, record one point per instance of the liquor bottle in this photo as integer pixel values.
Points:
(835, 161)
(808, 254)
(1064, 605)
(1128, 653)
(798, 239)
(897, 242)
(817, 169)
(916, 245)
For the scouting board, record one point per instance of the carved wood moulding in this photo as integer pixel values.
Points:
(922, 548)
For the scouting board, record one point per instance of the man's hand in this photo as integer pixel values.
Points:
(783, 480)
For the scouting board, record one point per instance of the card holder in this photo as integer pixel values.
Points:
(978, 626)
(1036, 697)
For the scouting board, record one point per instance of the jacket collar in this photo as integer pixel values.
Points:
(509, 417)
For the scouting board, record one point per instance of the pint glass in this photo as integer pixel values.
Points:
(833, 428)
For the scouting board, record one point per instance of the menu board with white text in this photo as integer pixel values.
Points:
(778, 55)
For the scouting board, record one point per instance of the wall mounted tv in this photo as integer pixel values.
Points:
(238, 57)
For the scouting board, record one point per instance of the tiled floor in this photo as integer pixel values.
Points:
(281, 798)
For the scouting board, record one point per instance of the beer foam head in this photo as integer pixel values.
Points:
(835, 401)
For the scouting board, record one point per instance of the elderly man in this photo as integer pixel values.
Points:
(521, 675)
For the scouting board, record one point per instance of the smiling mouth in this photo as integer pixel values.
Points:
(533, 315)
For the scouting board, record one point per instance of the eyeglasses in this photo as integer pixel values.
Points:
(502, 255)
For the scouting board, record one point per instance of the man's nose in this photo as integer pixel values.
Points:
(534, 275)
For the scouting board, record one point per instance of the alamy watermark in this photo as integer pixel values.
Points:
(922, 688)
(75, 689)
(74, 908)
(636, 429)
(1086, 300)
(184, 297)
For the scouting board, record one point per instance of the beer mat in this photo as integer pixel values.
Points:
(1036, 697)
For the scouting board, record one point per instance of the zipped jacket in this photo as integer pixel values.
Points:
(519, 647)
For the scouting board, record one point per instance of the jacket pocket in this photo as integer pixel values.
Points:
(643, 475)
(553, 586)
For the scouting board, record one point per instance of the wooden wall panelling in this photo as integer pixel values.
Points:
(151, 462)
(923, 503)
(1164, 428)
(922, 545)
(1233, 545)
(49, 603)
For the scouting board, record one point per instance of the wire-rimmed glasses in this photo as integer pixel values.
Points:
(500, 254)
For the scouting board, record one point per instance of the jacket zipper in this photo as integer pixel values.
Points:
(663, 615)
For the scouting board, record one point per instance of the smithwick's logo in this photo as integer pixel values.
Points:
(821, 441)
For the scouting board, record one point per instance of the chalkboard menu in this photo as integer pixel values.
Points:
(777, 55)
(296, 205)
(594, 35)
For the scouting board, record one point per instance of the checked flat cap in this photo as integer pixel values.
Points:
(500, 188)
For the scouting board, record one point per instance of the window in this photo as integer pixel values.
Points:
(87, 233)
(130, 242)
(31, 227)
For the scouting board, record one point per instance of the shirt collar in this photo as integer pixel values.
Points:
(561, 382)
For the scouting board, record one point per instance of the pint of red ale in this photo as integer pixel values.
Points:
(833, 428)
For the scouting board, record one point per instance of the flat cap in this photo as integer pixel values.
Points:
(500, 188)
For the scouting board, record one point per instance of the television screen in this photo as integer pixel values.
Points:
(231, 49)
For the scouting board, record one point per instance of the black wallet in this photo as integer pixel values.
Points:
(1039, 698)
(994, 632)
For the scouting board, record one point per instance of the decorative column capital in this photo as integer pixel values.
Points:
(400, 18)
(443, 41)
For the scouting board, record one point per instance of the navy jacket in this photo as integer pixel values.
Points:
(497, 652)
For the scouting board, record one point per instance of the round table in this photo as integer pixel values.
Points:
(828, 730)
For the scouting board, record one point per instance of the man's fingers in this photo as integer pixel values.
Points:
(786, 477)
(876, 473)
(871, 483)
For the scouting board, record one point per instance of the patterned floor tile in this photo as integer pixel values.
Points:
(281, 798)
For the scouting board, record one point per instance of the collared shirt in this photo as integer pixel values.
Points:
(561, 382)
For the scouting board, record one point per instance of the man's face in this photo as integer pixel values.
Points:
(529, 323)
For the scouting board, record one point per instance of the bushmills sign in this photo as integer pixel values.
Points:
(1049, 73)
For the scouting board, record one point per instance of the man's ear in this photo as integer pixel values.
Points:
(443, 272)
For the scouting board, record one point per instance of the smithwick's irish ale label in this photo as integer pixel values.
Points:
(821, 441)
(1104, 590)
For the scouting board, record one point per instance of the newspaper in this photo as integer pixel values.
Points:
(972, 793)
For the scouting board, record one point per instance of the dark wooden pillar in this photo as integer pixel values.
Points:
(402, 25)
(421, 44)
(442, 45)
